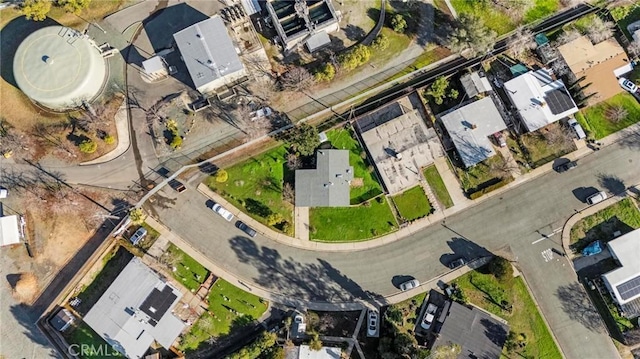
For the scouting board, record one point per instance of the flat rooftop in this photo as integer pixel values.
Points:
(400, 148)
(470, 127)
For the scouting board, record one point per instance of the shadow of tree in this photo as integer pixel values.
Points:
(576, 303)
(354, 33)
(611, 183)
(495, 332)
(312, 281)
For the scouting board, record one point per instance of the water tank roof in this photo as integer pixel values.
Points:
(59, 67)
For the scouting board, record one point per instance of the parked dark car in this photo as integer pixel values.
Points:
(177, 185)
(246, 229)
(457, 263)
(566, 166)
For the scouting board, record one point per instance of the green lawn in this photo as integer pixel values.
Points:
(96, 347)
(540, 150)
(426, 58)
(232, 309)
(412, 203)
(188, 272)
(344, 224)
(397, 44)
(524, 316)
(113, 265)
(437, 186)
(622, 216)
(495, 20)
(541, 9)
(343, 139)
(256, 185)
(600, 126)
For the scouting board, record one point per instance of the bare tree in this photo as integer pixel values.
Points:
(634, 48)
(558, 137)
(571, 3)
(288, 194)
(293, 161)
(502, 169)
(616, 113)
(520, 42)
(567, 36)
(49, 136)
(560, 67)
(253, 126)
(599, 30)
(259, 66)
(265, 90)
(515, 9)
(296, 79)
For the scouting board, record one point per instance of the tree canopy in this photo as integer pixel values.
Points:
(304, 139)
(36, 10)
(472, 35)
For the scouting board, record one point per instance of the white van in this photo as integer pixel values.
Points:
(577, 128)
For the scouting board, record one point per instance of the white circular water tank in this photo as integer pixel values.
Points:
(59, 67)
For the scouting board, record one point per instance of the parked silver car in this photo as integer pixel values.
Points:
(597, 198)
(410, 284)
(429, 314)
(223, 212)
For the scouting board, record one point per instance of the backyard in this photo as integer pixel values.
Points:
(412, 204)
(437, 186)
(622, 216)
(343, 224)
(256, 185)
(230, 307)
(96, 347)
(343, 139)
(483, 289)
(184, 268)
(594, 119)
(114, 263)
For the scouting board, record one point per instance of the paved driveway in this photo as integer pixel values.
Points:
(515, 222)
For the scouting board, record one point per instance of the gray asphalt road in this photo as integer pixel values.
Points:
(516, 222)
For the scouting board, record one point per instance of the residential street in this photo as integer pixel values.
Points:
(517, 220)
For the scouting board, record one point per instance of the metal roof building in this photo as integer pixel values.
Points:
(9, 230)
(475, 331)
(209, 54)
(329, 184)
(539, 99)
(624, 282)
(474, 84)
(136, 310)
(59, 67)
(470, 127)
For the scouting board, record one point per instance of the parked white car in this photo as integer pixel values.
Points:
(222, 212)
(577, 128)
(263, 112)
(372, 323)
(429, 314)
(597, 198)
(628, 85)
(410, 284)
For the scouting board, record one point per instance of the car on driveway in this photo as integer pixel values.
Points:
(410, 284)
(567, 166)
(222, 212)
(579, 131)
(138, 235)
(429, 314)
(246, 229)
(597, 198)
(628, 85)
(372, 323)
(457, 263)
(500, 140)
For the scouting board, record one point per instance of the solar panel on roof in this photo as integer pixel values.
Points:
(630, 288)
(157, 303)
(559, 101)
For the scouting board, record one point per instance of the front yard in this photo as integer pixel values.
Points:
(184, 268)
(482, 176)
(484, 290)
(437, 185)
(545, 145)
(343, 224)
(412, 204)
(622, 216)
(596, 122)
(256, 185)
(343, 139)
(231, 308)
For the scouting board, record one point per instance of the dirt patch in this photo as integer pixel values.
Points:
(357, 182)
(24, 286)
(337, 324)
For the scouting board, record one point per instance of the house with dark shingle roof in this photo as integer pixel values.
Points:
(327, 185)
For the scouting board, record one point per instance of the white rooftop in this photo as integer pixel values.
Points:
(539, 99)
(626, 249)
(9, 230)
(324, 353)
(153, 65)
(136, 310)
(475, 84)
(470, 127)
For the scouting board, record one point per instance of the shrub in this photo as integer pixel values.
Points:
(176, 141)
(325, 73)
(109, 140)
(137, 216)
(493, 187)
(274, 218)
(380, 43)
(88, 146)
(356, 56)
(501, 268)
(287, 228)
(398, 23)
(394, 314)
(222, 176)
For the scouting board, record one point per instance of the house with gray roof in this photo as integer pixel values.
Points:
(470, 127)
(475, 83)
(209, 54)
(328, 185)
(136, 310)
(479, 334)
(624, 282)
